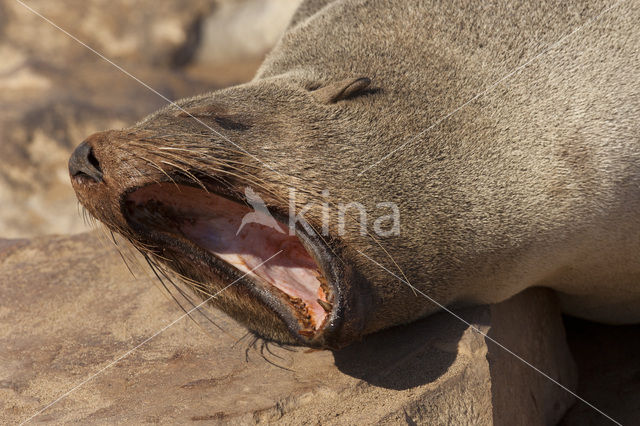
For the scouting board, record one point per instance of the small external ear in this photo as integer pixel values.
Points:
(339, 90)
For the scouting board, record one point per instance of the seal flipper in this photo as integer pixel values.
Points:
(340, 90)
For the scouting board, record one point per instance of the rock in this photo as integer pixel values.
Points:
(243, 41)
(530, 325)
(71, 313)
(47, 112)
(145, 31)
(55, 92)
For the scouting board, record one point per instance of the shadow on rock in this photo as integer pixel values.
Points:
(406, 356)
(608, 359)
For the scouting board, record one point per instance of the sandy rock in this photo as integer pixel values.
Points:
(47, 111)
(69, 308)
(248, 29)
(146, 31)
(54, 92)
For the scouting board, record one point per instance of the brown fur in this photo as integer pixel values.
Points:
(537, 182)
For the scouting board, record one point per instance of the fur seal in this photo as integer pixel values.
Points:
(504, 179)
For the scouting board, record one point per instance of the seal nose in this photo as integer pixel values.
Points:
(83, 162)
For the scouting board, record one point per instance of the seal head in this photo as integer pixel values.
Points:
(189, 199)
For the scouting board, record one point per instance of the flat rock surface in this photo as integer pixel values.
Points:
(70, 314)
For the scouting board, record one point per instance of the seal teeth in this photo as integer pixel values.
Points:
(324, 286)
(325, 305)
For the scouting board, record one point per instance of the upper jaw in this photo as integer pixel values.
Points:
(248, 297)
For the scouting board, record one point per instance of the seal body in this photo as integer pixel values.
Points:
(506, 133)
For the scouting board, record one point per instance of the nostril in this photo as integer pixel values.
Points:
(93, 160)
(83, 162)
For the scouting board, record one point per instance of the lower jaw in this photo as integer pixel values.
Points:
(265, 311)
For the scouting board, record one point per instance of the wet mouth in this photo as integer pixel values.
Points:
(288, 266)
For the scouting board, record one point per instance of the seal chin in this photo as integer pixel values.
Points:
(224, 240)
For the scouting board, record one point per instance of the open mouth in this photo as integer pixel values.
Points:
(290, 266)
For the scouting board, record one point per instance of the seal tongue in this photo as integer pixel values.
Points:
(293, 270)
(242, 237)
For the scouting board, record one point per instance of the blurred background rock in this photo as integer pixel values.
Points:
(54, 92)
